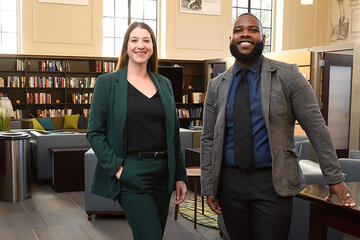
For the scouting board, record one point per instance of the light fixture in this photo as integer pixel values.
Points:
(306, 2)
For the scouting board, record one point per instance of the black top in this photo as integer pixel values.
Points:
(145, 122)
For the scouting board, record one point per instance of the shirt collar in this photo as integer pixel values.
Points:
(254, 68)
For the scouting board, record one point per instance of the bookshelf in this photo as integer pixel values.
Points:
(42, 86)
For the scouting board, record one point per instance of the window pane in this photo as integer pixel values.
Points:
(108, 46)
(234, 3)
(108, 27)
(108, 8)
(137, 9)
(121, 8)
(267, 32)
(255, 4)
(243, 3)
(9, 43)
(121, 25)
(267, 49)
(241, 11)
(233, 14)
(8, 22)
(266, 18)
(152, 24)
(150, 9)
(8, 5)
(118, 46)
(256, 13)
(266, 4)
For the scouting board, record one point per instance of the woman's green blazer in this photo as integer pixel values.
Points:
(107, 131)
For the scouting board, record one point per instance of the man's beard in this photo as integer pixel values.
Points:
(254, 54)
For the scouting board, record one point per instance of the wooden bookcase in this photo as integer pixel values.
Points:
(37, 84)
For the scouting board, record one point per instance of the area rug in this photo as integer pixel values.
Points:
(209, 219)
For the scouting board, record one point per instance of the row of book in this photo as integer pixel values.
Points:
(53, 66)
(109, 67)
(81, 98)
(13, 81)
(20, 65)
(95, 66)
(197, 122)
(38, 98)
(82, 82)
(189, 113)
(46, 82)
(194, 97)
(18, 113)
(40, 113)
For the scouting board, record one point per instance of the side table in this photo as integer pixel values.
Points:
(193, 173)
(68, 168)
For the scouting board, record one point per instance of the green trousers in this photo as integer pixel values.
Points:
(144, 196)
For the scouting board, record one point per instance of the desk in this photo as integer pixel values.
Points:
(68, 168)
(325, 214)
(193, 173)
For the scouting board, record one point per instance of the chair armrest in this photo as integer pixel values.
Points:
(351, 167)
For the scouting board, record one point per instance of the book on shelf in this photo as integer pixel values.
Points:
(38, 98)
(81, 98)
(86, 112)
(109, 66)
(196, 122)
(2, 82)
(40, 113)
(18, 113)
(15, 81)
(82, 82)
(46, 82)
(196, 97)
(20, 65)
(95, 66)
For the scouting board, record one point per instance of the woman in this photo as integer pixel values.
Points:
(134, 131)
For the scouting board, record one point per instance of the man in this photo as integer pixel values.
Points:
(249, 165)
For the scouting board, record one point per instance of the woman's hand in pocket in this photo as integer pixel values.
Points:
(118, 173)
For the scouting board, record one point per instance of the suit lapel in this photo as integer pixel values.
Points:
(266, 71)
(120, 106)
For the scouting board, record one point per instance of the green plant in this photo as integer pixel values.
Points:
(4, 120)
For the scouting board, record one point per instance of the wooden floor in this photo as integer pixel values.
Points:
(61, 216)
(48, 215)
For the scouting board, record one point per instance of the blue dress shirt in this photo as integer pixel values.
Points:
(260, 137)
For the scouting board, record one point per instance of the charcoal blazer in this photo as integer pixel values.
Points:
(286, 96)
(108, 125)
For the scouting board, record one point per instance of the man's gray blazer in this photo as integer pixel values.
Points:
(286, 96)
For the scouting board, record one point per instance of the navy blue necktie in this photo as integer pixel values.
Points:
(243, 153)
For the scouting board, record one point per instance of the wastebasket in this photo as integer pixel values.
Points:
(14, 166)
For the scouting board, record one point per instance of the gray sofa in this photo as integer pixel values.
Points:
(41, 154)
(95, 204)
(98, 205)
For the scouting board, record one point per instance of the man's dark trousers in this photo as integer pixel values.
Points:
(252, 210)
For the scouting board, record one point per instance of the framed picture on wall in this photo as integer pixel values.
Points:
(212, 7)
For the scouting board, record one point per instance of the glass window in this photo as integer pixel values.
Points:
(118, 14)
(9, 26)
(262, 9)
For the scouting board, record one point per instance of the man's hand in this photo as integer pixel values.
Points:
(342, 192)
(181, 190)
(118, 173)
(213, 204)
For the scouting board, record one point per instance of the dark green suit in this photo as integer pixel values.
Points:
(107, 132)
